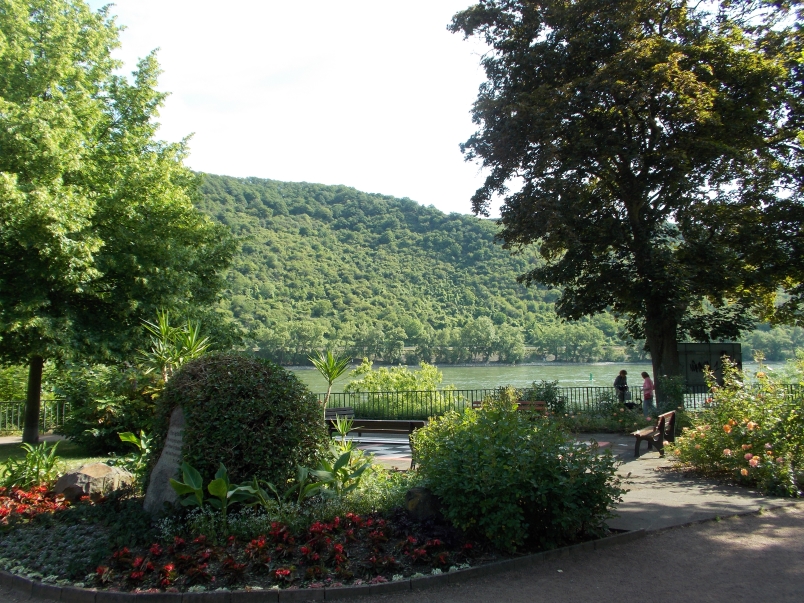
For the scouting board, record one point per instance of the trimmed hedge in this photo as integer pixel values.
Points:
(245, 412)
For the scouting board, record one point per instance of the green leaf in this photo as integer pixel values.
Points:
(342, 461)
(218, 487)
(191, 476)
(127, 436)
(181, 488)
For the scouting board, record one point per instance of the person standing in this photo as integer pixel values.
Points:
(648, 394)
(621, 385)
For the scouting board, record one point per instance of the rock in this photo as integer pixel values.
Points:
(159, 489)
(422, 504)
(96, 480)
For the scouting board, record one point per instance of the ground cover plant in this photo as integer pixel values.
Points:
(751, 432)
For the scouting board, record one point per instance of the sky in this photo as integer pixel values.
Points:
(366, 93)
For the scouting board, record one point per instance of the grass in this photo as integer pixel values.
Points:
(71, 455)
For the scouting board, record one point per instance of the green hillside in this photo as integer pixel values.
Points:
(373, 275)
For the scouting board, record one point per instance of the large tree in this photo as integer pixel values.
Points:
(97, 223)
(651, 149)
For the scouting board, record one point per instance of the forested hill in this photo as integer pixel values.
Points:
(371, 275)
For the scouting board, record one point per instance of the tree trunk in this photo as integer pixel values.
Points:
(662, 338)
(33, 401)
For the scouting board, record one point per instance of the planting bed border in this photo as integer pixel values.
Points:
(71, 594)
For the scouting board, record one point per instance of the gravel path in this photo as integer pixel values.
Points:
(753, 558)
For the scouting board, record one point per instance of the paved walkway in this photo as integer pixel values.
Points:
(752, 552)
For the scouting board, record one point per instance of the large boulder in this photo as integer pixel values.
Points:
(96, 481)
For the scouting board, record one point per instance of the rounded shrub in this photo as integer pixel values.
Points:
(515, 477)
(248, 413)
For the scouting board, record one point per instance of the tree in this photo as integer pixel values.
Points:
(97, 224)
(656, 149)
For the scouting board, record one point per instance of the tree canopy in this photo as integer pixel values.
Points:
(97, 224)
(651, 150)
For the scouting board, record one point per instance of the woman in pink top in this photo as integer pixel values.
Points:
(647, 395)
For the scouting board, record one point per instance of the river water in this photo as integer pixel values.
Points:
(598, 374)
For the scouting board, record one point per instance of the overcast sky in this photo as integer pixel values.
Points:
(371, 94)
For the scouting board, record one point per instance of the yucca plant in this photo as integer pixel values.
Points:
(331, 366)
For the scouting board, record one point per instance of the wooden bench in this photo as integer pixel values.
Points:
(530, 405)
(663, 430)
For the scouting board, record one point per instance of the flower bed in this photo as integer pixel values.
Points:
(353, 549)
(18, 505)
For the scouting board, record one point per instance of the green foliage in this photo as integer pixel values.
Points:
(398, 391)
(670, 393)
(331, 366)
(548, 392)
(340, 474)
(251, 415)
(647, 190)
(192, 488)
(135, 462)
(752, 433)
(395, 379)
(104, 402)
(172, 346)
(39, 467)
(515, 478)
(607, 415)
(97, 223)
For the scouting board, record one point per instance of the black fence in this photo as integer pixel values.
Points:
(424, 404)
(51, 415)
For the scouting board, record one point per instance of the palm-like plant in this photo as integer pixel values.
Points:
(172, 346)
(331, 366)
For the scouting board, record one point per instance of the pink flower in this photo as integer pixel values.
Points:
(768, 446)
(749, 456)
(780, 460)
(727, 452)
(753, 462)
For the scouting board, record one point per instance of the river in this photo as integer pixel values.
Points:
(483, 376)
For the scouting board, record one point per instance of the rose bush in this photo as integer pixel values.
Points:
(750, 432)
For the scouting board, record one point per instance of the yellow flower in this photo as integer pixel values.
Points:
(727, 428)
(744, 471)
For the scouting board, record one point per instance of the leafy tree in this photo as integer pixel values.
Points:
(97, 224)
(394, 379)
(657, 145)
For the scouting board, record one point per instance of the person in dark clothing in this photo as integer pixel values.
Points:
(621, 385)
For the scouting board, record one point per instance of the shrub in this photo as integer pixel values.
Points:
(39, 467)
(750, 432)
(398, 392)
(250, 414)
(104, 401)
(547, 392)
(608, 415)
(514, 477)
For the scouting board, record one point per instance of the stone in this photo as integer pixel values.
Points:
(96, 480)
(167, 467)
(422, 504)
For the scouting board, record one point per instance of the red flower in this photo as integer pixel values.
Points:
(155, 550)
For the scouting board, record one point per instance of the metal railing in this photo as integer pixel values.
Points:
(51, 414)
(413, 405)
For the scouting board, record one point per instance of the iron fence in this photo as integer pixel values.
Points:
(51, 415)
(414, 405)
